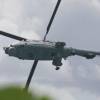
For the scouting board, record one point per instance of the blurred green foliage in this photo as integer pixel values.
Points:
(17, 93)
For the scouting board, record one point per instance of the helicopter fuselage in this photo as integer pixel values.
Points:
(46, 50)
(32, 50)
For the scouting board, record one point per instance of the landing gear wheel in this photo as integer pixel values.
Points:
(57, 68)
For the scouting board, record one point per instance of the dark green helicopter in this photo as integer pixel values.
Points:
(43, 50)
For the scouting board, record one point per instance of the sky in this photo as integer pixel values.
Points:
(76, 23)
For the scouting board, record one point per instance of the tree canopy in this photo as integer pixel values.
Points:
(17, 93)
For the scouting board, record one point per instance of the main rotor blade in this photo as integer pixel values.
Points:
(52, 18)
(31, 74)
(12, 36)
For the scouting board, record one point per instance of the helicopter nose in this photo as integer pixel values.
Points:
(6, 49)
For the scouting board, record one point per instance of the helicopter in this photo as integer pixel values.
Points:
(43, 49)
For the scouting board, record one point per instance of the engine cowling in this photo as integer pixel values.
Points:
(60, 44)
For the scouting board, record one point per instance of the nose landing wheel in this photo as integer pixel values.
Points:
(57, 68)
